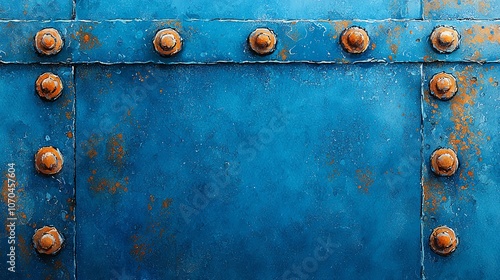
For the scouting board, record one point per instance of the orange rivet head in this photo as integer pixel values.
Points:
(262, 41)
(49, 86)
(48, 160)
(444, 162)
(48, 41)
(47, 241)
(446, 38)
(354, 40)
(443, 240)
(168, 42)
(443, 86)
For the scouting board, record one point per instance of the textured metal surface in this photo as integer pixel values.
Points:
(308, 163)
(36, 10)
(467, 201)
(460, 9)
(310, 41)
(242, 171)
(242, 9)
(29, 123)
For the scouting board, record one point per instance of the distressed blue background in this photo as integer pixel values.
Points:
(283, 154)
(241, 170)
(36, 9)
(239, 9)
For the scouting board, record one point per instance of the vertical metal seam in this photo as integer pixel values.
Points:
(73, 12)
(422, 158)
(73, 71)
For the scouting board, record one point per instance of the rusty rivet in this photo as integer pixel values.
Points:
(262, 41)
(47, 240)
(444, 162)
(443, 241)
(445, 39)
(167, 42)
(355, 40)
(48, 160)
(443, 86)
(49, 86)
(48, 41)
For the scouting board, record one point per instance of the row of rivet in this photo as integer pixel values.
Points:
(47, 240)
(48, 160)
(168, 42)
(444, 161)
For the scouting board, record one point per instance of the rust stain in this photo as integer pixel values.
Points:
(394, 38)
(139, 249)
(109, 185)
(339, 27)
(25, 249)
(69, 134)
(463, 138)
(283, 54)
(166, 203)
(433, 195)
(438, 5)
(115, 150)
(71, 206)
(90, 146)
(480, 34)
(69, 115)
(151, 201)
(87, 40)
(365, 179)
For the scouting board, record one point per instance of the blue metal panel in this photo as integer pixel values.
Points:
(468, 201)
(249, 171)
(29, 123)
(225, 41)
(242, 9)
(461, 9)
(36, 9)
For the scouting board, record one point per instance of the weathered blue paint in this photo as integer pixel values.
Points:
(252, 166)
(226, 41)
(37, 10)
(460, 9)
(468, 201)
(236, 171)
(29, 123)
(248, 10)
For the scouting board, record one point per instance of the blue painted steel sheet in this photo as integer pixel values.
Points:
(36, 9)
(226, 41)
(468, 201)
(461, 9)
(29, 123)
(242, 9)
(249, 171)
